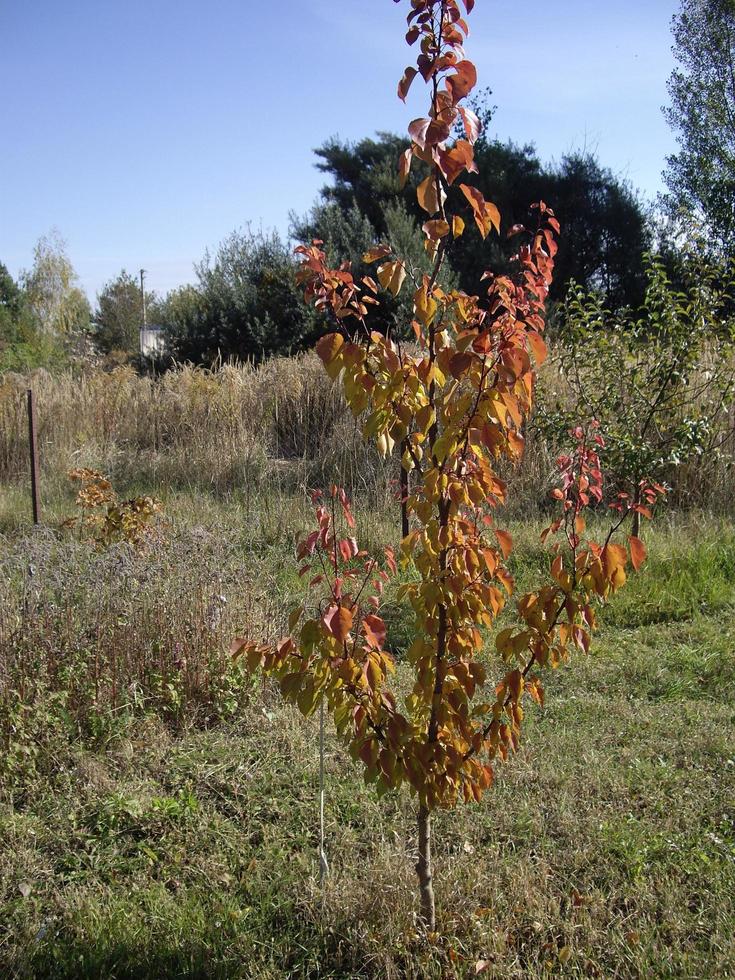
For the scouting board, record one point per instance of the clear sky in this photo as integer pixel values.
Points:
(147, 130)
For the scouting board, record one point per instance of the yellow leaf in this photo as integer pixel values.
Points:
(437, 228)
(391, 276)
(375, 253)
(424, 306)
(329, 346)
(427, 195)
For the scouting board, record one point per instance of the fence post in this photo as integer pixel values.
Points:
(33, 447)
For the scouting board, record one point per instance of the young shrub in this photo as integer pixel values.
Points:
(105, 518)
(660, 379)
(457, 405)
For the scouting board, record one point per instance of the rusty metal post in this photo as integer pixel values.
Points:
(33, 447)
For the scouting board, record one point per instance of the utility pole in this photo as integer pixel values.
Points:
(142, 294)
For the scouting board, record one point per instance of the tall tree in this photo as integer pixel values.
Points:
(52, 288)
(12, 308)
(606, 231)
(245, 304)
(701, 176)
(119, 314)
(23, 345)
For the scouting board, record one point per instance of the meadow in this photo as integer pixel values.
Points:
(158, 809)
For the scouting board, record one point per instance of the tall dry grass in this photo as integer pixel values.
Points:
(219, 430)
(243, 428)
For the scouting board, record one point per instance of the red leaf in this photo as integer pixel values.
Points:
(472, 124)
(348, 548)
(374, 629)
(417, 131)
(405, 83)
(637, 552)
(537, 345)
(486, 214)
(338, 620)
(459, 363)
(505, 541)
(460, 157)
(463, 82)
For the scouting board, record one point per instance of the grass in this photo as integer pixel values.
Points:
(282, 422)
(172, 831)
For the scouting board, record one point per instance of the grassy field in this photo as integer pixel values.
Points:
(158, 812)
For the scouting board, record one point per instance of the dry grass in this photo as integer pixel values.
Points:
(245, 429)
(191, 428)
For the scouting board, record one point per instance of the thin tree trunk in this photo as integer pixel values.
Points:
(404, 495)
(636, 528)
(423, 870)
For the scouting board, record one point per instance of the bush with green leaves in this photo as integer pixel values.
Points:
(244, 306)
(660, 379)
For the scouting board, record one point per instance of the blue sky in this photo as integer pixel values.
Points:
(147, 130)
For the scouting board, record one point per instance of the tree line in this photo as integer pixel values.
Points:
(244, 303)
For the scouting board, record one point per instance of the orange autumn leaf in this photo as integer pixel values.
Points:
(637, 552)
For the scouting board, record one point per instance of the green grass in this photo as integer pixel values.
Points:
(136, 844)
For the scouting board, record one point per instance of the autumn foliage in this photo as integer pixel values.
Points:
(455, 404)
(107, 520)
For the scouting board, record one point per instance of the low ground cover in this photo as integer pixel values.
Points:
(170, 829)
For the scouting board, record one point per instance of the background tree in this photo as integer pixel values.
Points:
(23, 346)
(245, 304)
(52, 289)
(349, 236)
(606, 229)
(701, 176)
(119, 314)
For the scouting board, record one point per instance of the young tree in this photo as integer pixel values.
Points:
(701, 176)
(457, 404)
(349, 237)
(659, 379)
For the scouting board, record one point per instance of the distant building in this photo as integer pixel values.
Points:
(152, 341)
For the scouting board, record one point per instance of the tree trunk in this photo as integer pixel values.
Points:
(404, 496)
(423, 870)
(636, 529)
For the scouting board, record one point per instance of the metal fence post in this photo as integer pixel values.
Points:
(33, 447)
